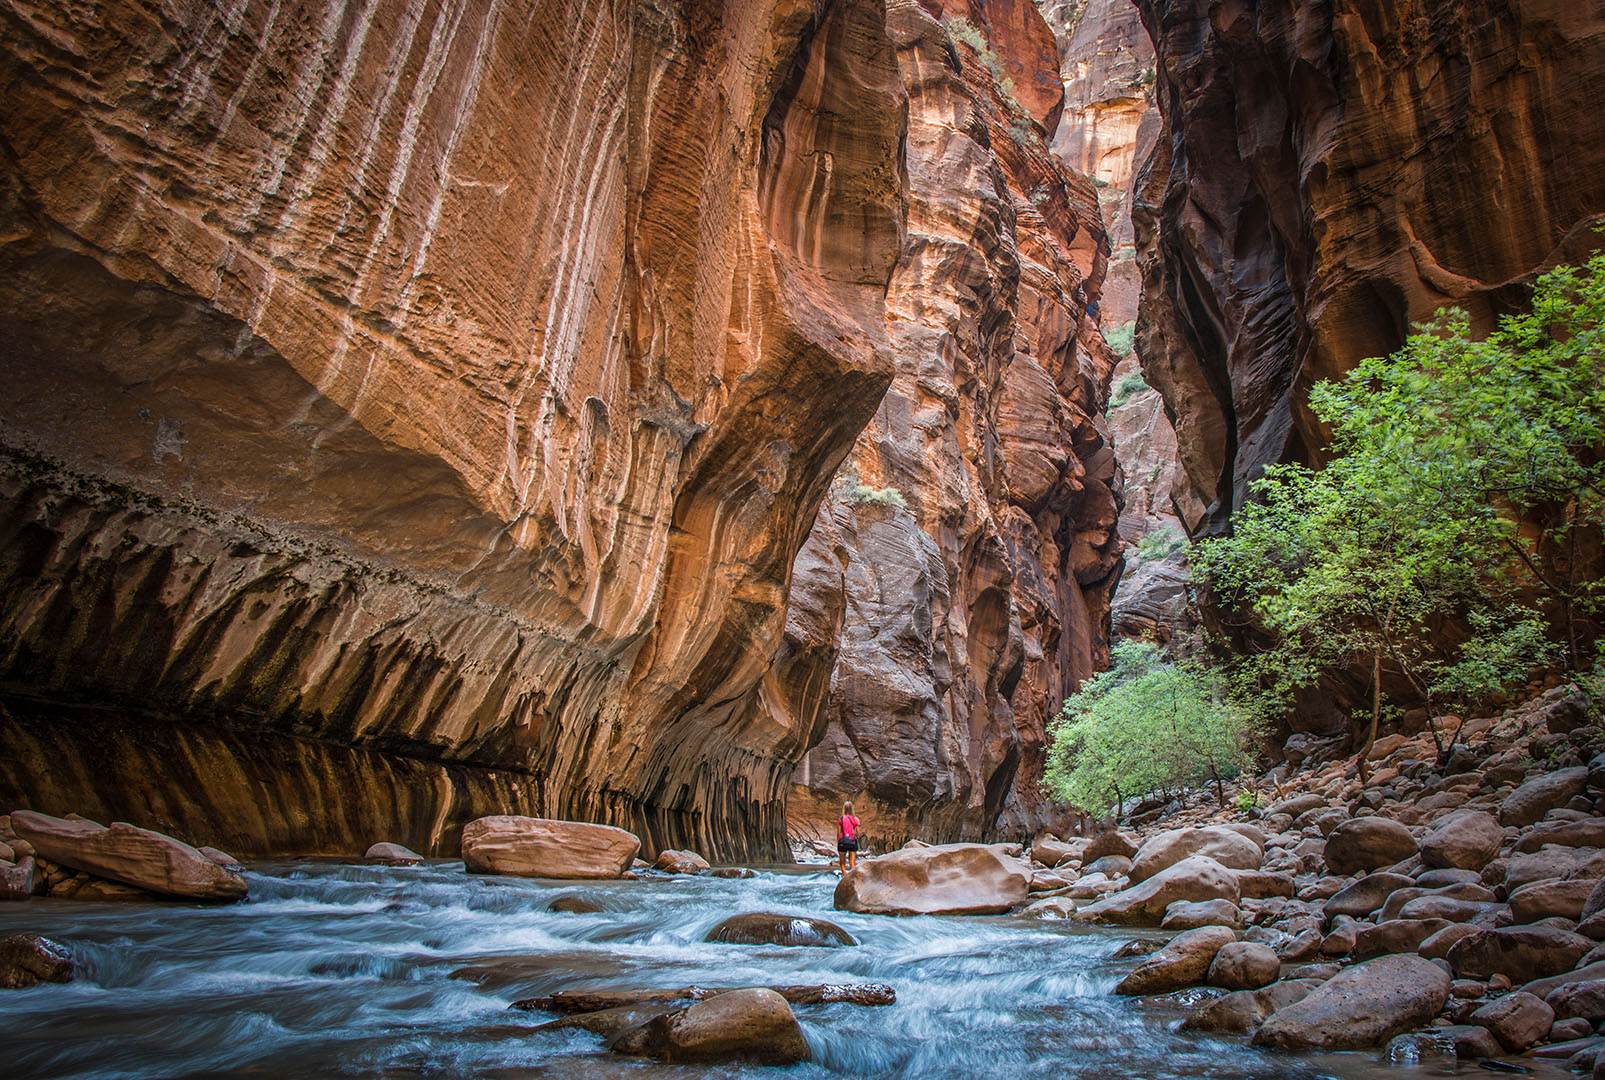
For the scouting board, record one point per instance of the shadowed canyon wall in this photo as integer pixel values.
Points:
(957, 580)
(1331, 173)
(428, 398)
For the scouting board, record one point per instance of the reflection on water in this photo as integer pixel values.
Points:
(334, 970)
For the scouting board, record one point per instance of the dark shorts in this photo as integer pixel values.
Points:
(846, 844)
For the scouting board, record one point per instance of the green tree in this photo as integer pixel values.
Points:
(1467, 480)
(1147, 724)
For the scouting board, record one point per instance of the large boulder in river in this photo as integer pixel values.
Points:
(764, 928)
(28, 959)
(1468, 840)
(741, 1025)
(1226, 846)
(1361, 1006)
(947, 879)
(546, 848)
(384, 853)
(1539, 796)
(1196, 877)
(1368, 843)
(1184, 961)
(129, 855)
(671, 861)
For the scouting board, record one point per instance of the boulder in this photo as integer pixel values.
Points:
(732, 872)
(1305, 945)
(1456, 1040)
(17, 879)
(1191, 914)
(1517, 1020)
(948, 879)
(1364, 1005)
(1395, 936)
(1243, 1010)
(1243, 965)
(1110, 842)
(1051, 851)
(221, 858)
(28, 959)
(1112, 865)
(1049, 881)
(1467, 840)
(1183, 962)
(546, 848)
(385, 853)
(1365, 895)
(1549, 898)
(741, 1025)
(129, 855)
(1595, 902)
(1368, 843)
(1053, 907)
(671, 861)
(1226, 846)
(764, 928)
(1539, 796)
(1299, 804)
(1262, 884)
(574, 905)
(1437, 946)
(1554, 862)
(1584, 999)
(1438, 879)
(1196, 877)
(1437, 906)
(1521, 953)
(1589, 833)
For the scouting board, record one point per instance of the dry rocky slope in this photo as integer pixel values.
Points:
(1331, 173)
(417, 413)
(1466, 898)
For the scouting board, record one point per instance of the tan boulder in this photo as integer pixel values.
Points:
(948, 879)
(1196, 877)
(1364, 1005)
(1244, 965)
(1184, 961)
(1468, 840)
(129, 855)
(742, 1025)
(1226, 846)
(546, 848)
(1050, 851)
(671, 861)
(1191, 914)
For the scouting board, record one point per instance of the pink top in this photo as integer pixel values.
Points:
(847, 826)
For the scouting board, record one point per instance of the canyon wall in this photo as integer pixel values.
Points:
(1330, 174)
(956, 584)
(428, 398)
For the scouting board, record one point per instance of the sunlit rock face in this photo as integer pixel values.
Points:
(956, 583)
(1332, 173)
(448, 386)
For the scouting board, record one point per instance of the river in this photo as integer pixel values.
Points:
(340, 970)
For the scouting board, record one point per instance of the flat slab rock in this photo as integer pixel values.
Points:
(588, 1001)
(947, 879)
(546, 848)
(129, 855)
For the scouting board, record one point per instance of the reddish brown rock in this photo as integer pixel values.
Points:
(455, 383)
(680, 862)
(1195, 878)
(742, 1025)
(540, 847)
(1184, 961)
(1362, 1006)
(28, 959)
(129, 855)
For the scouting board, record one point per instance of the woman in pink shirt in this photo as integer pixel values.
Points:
(847, 839)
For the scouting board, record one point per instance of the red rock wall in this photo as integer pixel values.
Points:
(1332, 173)
(956, 583)
(454, 381)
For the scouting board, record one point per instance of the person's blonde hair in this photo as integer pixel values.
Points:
(847, 808)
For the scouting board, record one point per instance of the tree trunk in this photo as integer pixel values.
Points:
(1376, 717)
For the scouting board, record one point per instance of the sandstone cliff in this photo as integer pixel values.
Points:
(1330, 174)
(430, 398)
(956, 583)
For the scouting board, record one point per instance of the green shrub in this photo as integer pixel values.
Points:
(1120, 339)
(1129, 384)
(1158, 544)
(864, 495)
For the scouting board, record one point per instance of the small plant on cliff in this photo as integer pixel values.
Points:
(1158, 544)
(1120, 338)
(1148, 724)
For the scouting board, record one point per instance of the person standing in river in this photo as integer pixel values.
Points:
(847, 839)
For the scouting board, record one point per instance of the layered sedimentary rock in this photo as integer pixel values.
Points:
(1331, 173)
(440, 390)
(956, 583)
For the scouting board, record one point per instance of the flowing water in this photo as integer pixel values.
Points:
(337, 970)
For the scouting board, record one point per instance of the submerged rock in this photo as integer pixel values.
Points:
(546, 848)
(680, 862)
(949, 879)
(763, 928)
(133, 856)
(28, 959)
(388, 854)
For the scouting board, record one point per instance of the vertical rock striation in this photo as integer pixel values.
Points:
(1331, 173)
(956, 583)
(438, 390)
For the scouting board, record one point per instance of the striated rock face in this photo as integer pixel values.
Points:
(448, 387)
(956, 583)
(1331, 173)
